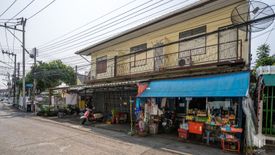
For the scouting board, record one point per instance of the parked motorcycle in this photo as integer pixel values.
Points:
(168, 121)
(91, 116)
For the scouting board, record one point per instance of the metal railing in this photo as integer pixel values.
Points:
(147, 61)
(228, 51)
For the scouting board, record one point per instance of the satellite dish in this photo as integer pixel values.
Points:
(252, 10)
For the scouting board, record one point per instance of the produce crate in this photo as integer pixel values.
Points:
(183, 134)
(195, 127)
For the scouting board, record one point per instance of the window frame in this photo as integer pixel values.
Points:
(134, 50)
(191, 33)
(101, 64)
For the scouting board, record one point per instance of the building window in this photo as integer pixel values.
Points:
(193, 32)
(138, 59)
(101, 65)
(192, 47)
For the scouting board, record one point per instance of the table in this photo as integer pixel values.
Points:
(225, 142)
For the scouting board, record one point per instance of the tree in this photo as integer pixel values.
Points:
(51, 74)
(263, 57)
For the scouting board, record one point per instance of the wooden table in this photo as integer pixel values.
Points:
(225, 142)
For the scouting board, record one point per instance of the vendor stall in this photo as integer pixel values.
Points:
(203, 109)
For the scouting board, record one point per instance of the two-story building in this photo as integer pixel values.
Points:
(194, 53)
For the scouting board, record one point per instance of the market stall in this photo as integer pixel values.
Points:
(202, 109)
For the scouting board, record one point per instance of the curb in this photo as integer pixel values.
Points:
(72, 126)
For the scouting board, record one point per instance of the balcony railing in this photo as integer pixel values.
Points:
(149, 61)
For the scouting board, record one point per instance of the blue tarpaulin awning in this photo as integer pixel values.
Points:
(223, 85)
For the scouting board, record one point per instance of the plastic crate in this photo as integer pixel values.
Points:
(195, 127)
(183, 134)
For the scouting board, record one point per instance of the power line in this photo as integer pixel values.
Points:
(123, 26)
(119, 28)
(41, 10)
(90, 22)
(22, 10)
(104, 22)
(227, 17)
(269, 34)
(96, 37)
(263, 33)
(8, 8)
(109, 24)
(128, 24)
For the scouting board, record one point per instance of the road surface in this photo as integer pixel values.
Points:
(23, 134)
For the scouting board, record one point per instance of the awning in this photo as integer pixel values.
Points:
(223, 85)
(269, 79)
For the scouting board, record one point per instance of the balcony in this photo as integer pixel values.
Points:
(152, 61)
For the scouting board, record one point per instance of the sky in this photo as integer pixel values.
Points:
(93, 20)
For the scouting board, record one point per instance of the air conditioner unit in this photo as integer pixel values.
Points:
(184, 62)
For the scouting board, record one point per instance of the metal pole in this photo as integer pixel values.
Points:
(23, 61)
(18, 75)
(76, 75)
(14, 81)
(34, 78)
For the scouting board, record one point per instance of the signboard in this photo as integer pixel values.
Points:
(29, 85)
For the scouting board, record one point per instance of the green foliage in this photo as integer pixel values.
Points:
(51, 74)
(263, 58)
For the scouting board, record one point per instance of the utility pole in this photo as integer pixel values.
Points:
(76, 74)
(21, 21)
(24, 20)
(33, 55)
(14, 81)
(14, 73)
(18, 75)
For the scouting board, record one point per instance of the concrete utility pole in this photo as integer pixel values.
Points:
(14, 73)
(14, 81)
(21, 21)
(33, 55)
(18, 75)
(23, 63)
(76, 75)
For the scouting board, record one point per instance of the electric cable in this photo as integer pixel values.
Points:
(21, 10)
(122, 26)
(8, 8)
(90, 22)
(41, 10)
(127, 24)
(104, 23)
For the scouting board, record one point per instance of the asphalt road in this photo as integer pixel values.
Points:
(23, 134)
